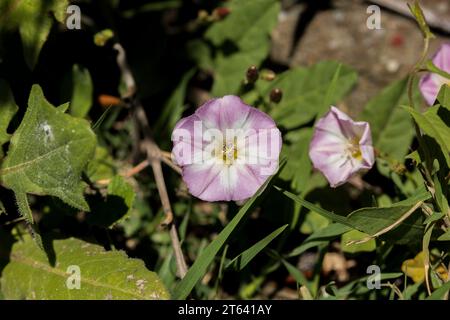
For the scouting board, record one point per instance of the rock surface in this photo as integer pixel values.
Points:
(341, 33)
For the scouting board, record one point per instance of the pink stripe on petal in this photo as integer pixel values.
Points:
(200, 178)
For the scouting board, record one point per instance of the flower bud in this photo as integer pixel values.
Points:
(252, 74)
(267, 75)
(275, 95)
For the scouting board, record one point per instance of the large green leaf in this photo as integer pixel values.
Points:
(435, 122)
(248, 24)
(103, 274)
(391, 126)
(8, 109)
(374, 220)
(47, 153)
(34, 22)
(198, 269)
(304, 90)
(245, 31)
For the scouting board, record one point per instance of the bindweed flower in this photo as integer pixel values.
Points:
(341, 147)
(226, 149)
(431, 83)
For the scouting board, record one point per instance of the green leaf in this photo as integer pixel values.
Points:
(32, 19)
(248, 23)
(432, 124)
(8, 109)
(304, 90)
(48, 152)
(80, 88)
(103, 274)
(102, 166)
(200, 53)
(298, 167)
(434, 217)
(328, 100)
(444, 97)
(374, 220)
(320, 236)
(439, 293)
(117, 205)
(297, 274)
(241, 260)
(445, 236)
(313, 222)
(246, 31)
(198, 269)
(391, 126)
(354, 235)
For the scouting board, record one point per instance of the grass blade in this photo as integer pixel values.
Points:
(245, 257)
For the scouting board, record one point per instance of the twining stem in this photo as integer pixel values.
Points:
(418, 67)
(154, 156)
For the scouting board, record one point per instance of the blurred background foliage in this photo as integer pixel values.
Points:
(181, 53)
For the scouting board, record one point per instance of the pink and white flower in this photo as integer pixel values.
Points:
(431, 83)
(226, 149)
(341, 147)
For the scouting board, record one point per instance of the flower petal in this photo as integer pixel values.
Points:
(229, 112)
(188, 144)
(431, 83)
(442, 57)
(429, 87)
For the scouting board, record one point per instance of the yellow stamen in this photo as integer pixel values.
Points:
(354, 149)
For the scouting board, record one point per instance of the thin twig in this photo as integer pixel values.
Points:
(166, 154)
(133, 171)
(154, 156)
(172, 165)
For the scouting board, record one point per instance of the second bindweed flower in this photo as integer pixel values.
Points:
(341, 147)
